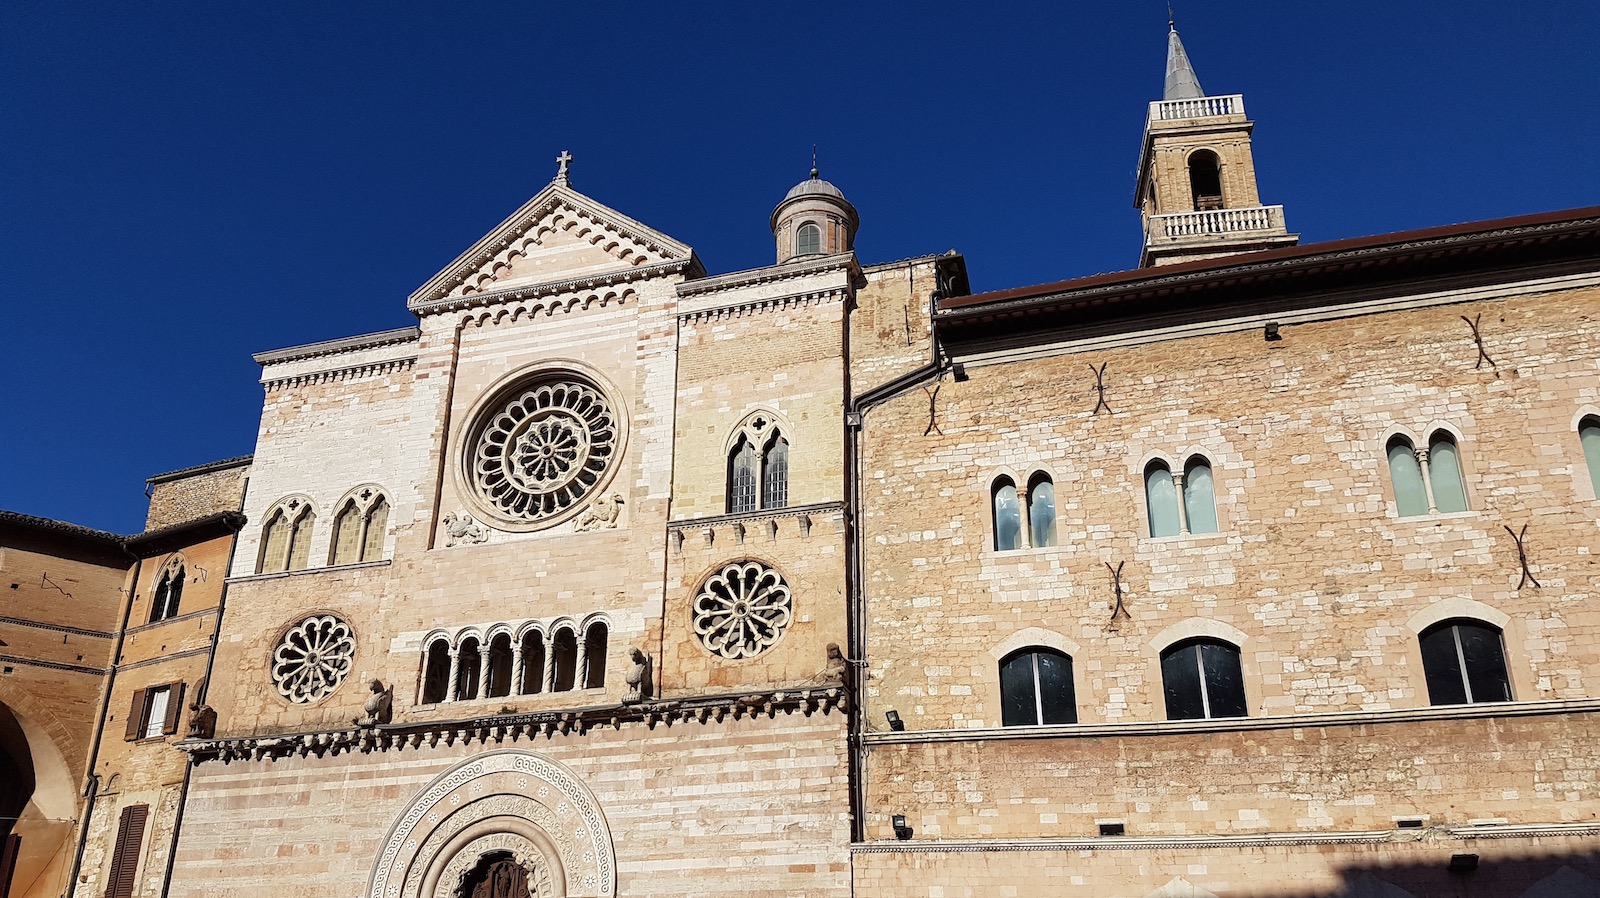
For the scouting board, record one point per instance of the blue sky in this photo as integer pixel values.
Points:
(184, 184)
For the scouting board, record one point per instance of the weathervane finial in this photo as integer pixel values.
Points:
(1172, 21)
(814, 172)
(562, 161)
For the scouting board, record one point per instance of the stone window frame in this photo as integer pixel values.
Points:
(1524, 678)
(760, 428)
(1401, 432)
(546, 631)
(1032, 637)
(1204, 628)
(292, 508)
(365, 499)
(1178, 465)
(799, 238)
(1024, 485)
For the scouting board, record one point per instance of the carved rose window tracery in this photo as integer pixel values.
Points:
(742, 610)
(541, 449)
(313, 658)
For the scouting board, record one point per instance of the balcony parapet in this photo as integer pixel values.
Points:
(1198, 107)
(1185, 226)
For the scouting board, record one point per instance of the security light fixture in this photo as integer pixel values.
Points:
(960, 372)
(895, 723)
(901, 830)
(1272, 332)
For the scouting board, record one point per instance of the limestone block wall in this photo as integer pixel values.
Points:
(1312, 571)
(755, 806)
(1170, 153)
(890, 326)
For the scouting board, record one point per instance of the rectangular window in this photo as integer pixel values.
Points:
(125, 856)
(154, 712)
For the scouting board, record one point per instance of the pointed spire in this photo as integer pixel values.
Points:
(1182, 83)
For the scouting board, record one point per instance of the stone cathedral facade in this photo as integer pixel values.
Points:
(1261, 569)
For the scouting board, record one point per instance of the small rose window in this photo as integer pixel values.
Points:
(313, 658)
(742, 610)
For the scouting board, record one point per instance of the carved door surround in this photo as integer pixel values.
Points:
(466, 830)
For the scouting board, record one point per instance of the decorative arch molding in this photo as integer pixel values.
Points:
(1031, 636)
(1454, 607)
(1199, 628)
(510, 801)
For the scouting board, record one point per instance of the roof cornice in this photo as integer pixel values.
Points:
(333, 347)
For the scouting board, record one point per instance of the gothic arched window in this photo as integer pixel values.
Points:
(359, 528)
(1199, 497)
(1007, 515)
(436, 673)
(1036, 688)
(808, 240)
(594, 655)
(775, 472)
(286, 538)
(1464, 662)
(1428, 482)
(1161, 499)
(1202, 679)
(742, 478)
(168, 594)
(1041, 511)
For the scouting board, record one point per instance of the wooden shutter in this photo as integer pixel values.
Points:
(174, 709)
(135, 715)
(125, 859)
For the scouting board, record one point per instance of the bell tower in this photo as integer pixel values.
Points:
(1197, 191)
(814, 219)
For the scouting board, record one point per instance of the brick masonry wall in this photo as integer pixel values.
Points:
(188, 498)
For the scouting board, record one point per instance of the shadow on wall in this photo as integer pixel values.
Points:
(1458, 869)
(36, 790)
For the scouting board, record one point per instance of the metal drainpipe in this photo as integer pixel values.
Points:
(211, 660)
(92, 791)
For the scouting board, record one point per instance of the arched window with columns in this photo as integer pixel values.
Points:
(564, 660)
(498, 670)
(532, 662)
(436, 672)
(469, 660)
(594, 655)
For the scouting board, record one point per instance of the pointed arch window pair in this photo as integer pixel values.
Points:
(1040, 500)
(1180, 503)
(168, 593)
(286, 538)
(1427, 480)
(359, 528)
(758, 468)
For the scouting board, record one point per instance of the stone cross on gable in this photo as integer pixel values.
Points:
(563, 161)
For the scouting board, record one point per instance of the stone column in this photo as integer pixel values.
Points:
(455, 674)
(516, 668)
(1427, 480)
(1183, 513)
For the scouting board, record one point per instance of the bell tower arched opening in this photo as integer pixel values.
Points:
(1205, 180)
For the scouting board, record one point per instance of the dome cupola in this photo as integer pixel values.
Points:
(814, 219)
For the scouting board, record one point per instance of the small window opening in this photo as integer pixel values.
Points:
(566, 660)
(594, 656)
(467, 669)
(742, 478)
(1113, 829)
(1042, 511)
(436, 675)
(532, 663)
(1007, 516)
(808, 240)
(499, 684)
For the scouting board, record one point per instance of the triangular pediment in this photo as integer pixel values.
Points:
(557, 237)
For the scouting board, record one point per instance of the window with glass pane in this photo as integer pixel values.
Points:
(809, 240)
(1036, 688)
(742, 478)
(1444, 469)
(1199, 497)
(1410, 497)
(1589, 436)
(274, 545)
(377, 525)
(1042, 511)
(1464, 663)
(347, 534)
(1007, 516)
(155, 710)
(300, 541)
(775, 474)
(1203, 679)
(1161, 498)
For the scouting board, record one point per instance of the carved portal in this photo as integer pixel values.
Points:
(505, 805)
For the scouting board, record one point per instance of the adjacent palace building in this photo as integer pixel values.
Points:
(1262, 569)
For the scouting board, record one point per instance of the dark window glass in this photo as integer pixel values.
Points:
(594, 655)
(1036, 687)
(532, 662)
(1203, 679)
(1464, 662)
(499, 667)
(775, 474)
(566, 660)
(467, 670)
(742, 478)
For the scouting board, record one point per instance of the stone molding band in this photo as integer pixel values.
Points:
(1260, 840)
(512, 727)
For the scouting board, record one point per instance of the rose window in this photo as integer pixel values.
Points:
(539, 452)
(742, 609)
(313, 658)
